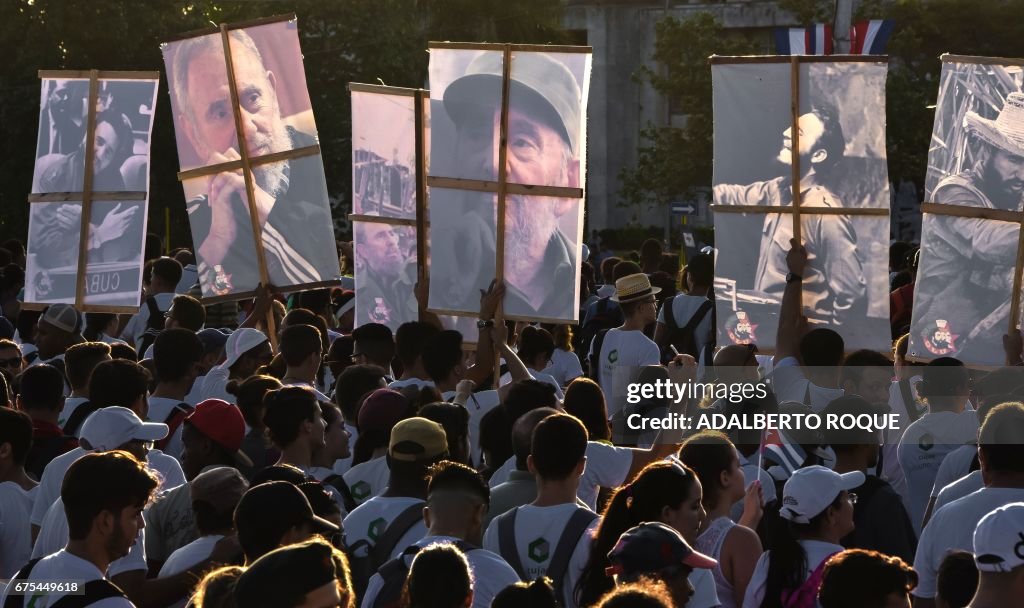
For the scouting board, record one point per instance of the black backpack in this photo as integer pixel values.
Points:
(74, 422)
(154, 325)
(559, 564)
(365, 566)
(605, 317)
(395, 572)
(593, 359)
(338, 483)
(90, 593)
(684, 338)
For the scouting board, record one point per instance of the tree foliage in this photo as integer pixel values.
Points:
(342, 41)
(674, 162)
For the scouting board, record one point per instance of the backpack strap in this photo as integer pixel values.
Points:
(805, 596)
(95, 591)
(74, 423)
(595, 355)
(908, 400)
(702, 311)
(670, 315)
(338, 483)
(394, 572)
(156, 317)
(385, 546)
(178, 414)
(567, 542)
(18, 601)
(507, 541)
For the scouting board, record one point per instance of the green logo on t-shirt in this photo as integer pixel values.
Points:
(538, 550)
(926, 442)
(360, 490)
(376, 528)
(613, 356)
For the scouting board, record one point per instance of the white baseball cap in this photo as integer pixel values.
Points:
(111, 427)
(240, 342)
(810, 490)
(999, 539)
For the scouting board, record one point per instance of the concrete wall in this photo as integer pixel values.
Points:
(622, 34)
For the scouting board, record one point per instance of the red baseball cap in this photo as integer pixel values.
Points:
(223, 423)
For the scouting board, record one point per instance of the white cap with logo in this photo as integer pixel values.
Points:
(111, 427)
(999, 539)
(810, 490)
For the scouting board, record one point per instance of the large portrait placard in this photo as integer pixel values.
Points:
(104, 121)
(799, 146)
(512, 212)
(967, 293)
(250, 160)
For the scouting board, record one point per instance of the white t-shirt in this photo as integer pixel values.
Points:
(63, 566)
(160, 408)
(537, 532)
(891, 470)
(955, 465)
(490, 574)
(922, 448)
(952, 527)
(215, 384)
(607, 467)
(506, 378)
(70, 405)
(817, 551)
(53, 536)
(790, 384)
(186, 557)
(15, 531)
(683, 308)
(136, 326)
(48, 492)
(478, 405)
(368, 521)
(564, 367)
(367, 479)
(622, 353)
(968, 484)
(419, 383)
(705, 595)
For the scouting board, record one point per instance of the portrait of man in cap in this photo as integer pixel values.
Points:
(967, 264)
(544, 148)
(290, 196)
(385, 273)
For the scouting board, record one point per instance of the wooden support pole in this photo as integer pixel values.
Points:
(87, 179)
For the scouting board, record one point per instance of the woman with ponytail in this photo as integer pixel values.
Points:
(665, 491)
(736, 546)
(817, 511)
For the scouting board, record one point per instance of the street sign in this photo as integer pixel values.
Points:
(687, 208)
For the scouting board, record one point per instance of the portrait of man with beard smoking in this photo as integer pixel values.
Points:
(290, 196)
(544, 140)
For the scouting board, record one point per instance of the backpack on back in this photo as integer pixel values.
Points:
(605, 317)
(394, 573)
(377, 554)
(178, 415)
(684, 338)
(806, 595)
(154, 325)
(90, 592)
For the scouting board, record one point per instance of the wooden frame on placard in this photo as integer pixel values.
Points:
(87, 195)
(501, 188)
(953, 210)
(420, 221)
(247, 162)
(796, 209)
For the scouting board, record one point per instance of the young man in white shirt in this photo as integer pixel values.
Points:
(457, 502)
(699, 275)
(301, 348)
(164, 276)
(623, 350)
(79, 361)
(176, 355)
(948, 425)
(103, 496)
(999, 558)
(952, 526)
(396, 515)
(16, 491)
(806, 365)
(550, 536)
(246, 350)
(410, 340)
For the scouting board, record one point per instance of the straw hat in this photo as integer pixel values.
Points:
(1007, 130)
(633, 287)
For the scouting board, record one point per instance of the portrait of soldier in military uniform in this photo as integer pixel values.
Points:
(965, 279)
(545, 122)
(385, 274)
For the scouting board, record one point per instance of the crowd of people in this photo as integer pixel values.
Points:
(269, 454)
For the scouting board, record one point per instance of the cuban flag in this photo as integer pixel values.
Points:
(778, 449)
(813, 40)
(870, 37)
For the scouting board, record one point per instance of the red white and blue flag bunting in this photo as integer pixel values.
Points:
(870, 37)
(813, 40)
